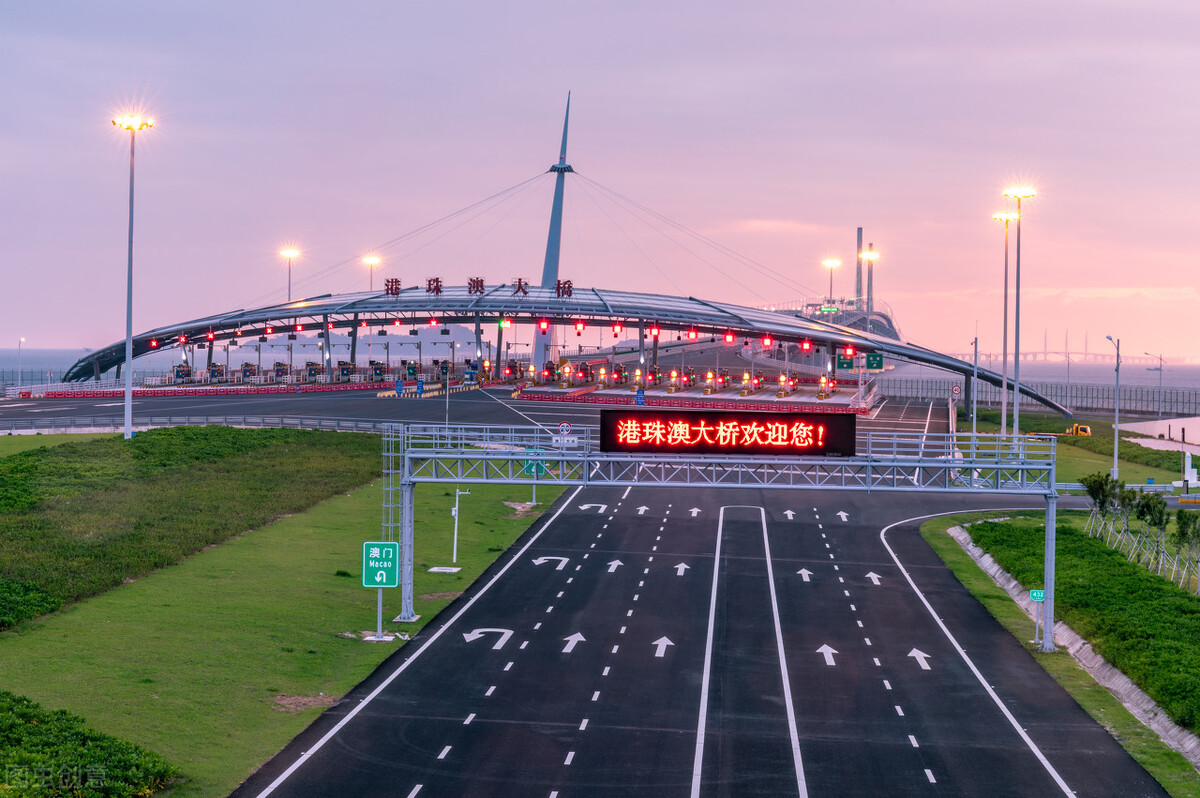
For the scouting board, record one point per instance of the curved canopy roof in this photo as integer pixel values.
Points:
(525, 304)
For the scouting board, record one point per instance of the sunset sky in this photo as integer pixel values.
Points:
(774, 128)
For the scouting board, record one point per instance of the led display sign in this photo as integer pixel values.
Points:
(668, 431)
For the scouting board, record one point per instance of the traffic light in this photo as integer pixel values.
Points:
(579, 328)
(183, 338)
(691, 335)
(806, 345)
(211, 335)
(767, 341)
(299, 328)
(329, 325)
(616, 328)
(504, 323)
(154, 343)
(654, 331)
(729, 338)
(543, 325)
(433, 322)
(412, 369)
(445, 367)
(849, 351)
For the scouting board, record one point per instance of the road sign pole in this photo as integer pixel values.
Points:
(1048, 576)
(379, 615)
(407, 614)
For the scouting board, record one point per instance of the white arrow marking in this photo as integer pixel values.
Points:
(679, 569)
(614, 565)
(562, 562)
(642, 510)
(921, 657)
(661, 646)
(475, 634)
(602, 507)
(572, 641)
(842, 515)
(827, 652)
(790, 515)
(695, 511)
(804, 574)
(874, 577)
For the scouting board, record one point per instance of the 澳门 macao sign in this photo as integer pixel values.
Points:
(664, 431)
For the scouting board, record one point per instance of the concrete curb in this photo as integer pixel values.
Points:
(1121, 686)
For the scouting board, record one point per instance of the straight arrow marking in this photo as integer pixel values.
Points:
(695, 511)
(790, 515)
(679, 569)
(642, 510)
(874, 577)
(827, 651)
(804, 574)
(660, 646)
(614, 565)
(842, 515)
(921, 657)
(572, 641)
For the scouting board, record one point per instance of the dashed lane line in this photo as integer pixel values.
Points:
(433, 638)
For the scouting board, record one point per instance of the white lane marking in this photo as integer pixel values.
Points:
(842, 579)
(592, 546)
(887, 685)
(876, 661)
(623, 630)
(491, 690)
(550, 608)
(445, 751)
(583, 724)
(929, 775)
(570, 579)
(571, 756)
(615, 649)
(642, 583)
(1037, 752)
(270, 788)
(629, 614)
(560, 594)
(649, 559)
(913, 740)
(899, 711)
(508, 666)
(585, 557)
(635, 596)
(596, 696)
(836, 568)
(853, 608)
(515, 410)
(470, 718)
(537, 626)
(867, 640)
(415, 790)
(860, 625)
(706, 675)
(846, 592)
(577, 567)
(646, 571)
(801, 785)
(624, 496)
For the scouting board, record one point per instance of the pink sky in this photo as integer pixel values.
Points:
(776, 129)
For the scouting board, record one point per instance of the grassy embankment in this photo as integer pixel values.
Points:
(218, 661)
(1139, 622)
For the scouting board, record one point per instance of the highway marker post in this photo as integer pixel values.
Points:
(381, 569)
(1038, 597)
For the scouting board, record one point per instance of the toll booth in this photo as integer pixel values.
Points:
(249, 370)
(182, 372)
(312, 371)
(216, 372)
(345, 370)
(280, 370)
(512, 371)
(377, 371)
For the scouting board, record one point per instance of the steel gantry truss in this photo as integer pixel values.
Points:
(979, 464)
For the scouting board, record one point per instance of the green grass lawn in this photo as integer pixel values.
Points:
(1170, 768)
(189, 661)
(11, 444)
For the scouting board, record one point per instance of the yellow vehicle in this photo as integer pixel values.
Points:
(1079, 429)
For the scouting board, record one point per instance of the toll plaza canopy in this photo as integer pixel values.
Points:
(521, 303)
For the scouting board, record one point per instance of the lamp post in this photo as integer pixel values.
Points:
(289, 254)
(831, 264)
(371, 262)
(1116, 407)
(133, 124)
(1160, 375)
(457, 493)
(19, 342)
(1006, 218)
(1018, 193)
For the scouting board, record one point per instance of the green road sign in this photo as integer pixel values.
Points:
(381, 563)
(534, 467)
(875, 360)
(1037, 595)
(845, 362)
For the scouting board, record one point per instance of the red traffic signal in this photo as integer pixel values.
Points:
(211, 336)
(579, 328)
(654, 331)
(691, 335)
(849, 351)
(806, 345)
(729, 338)
(433, 322)
(543, 325)
(299, 328)
(616, 328)
(767, 341)
(154, 343)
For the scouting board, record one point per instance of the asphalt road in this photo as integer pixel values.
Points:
(734, 642)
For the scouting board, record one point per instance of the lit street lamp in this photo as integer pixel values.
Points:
(1160, 373)
(1018, 193)
(372, 261)
(831, 264)
(19, 342)
(870, 256)
(290, 255)
(1006, 218)
(1116, 407)
(133, 124)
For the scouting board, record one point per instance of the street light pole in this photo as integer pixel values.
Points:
(1019, 193)
(133, 124)
(831, 264)
(457, 493)
(290, 254)
(19, 342)
(1116, 407)
(1006, 218)
(1160, 375)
